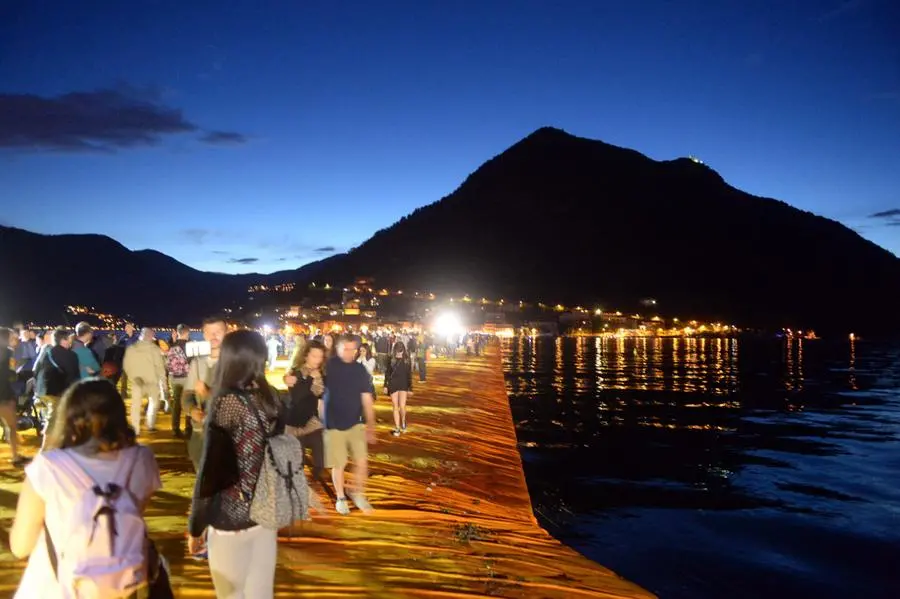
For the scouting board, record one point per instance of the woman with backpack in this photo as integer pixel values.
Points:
(91, 463)
(399, 385)
(242, 415)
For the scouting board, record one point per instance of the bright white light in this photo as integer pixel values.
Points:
(447, 324)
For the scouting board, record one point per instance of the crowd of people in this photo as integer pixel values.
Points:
(72, 383)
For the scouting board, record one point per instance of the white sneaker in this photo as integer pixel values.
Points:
(360, 501)
(341, 506)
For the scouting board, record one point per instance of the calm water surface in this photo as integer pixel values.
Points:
(717, 468)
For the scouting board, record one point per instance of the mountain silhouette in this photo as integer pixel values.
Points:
(576, 220)
(555, 217)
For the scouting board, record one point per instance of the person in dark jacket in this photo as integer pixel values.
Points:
(399, 385)
(8, 399)
(55, 371)
(303, 418)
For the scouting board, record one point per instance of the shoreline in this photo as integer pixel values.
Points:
(453, 514)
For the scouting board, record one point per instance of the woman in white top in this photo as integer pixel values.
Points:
(90, 430)
(366, 359)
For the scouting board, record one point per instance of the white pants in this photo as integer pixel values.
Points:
(242, 564)
(138, 393)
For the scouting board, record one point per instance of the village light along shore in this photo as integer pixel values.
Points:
(453, 515)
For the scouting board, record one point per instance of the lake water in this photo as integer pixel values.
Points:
(717, 468)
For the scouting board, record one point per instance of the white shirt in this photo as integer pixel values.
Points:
(61, 497)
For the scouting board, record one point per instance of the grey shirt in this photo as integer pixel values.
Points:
(201, 369)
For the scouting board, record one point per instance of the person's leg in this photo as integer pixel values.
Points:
(137, 400)
(395, 398)
(8, 414)
(421, 362)
(177, 389)
(359, 452)
(230, 562)
(314, 441)
(261, 576)
(153, 400)
(401, 400)
(336, 449)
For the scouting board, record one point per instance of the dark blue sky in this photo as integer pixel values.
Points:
(257, 136)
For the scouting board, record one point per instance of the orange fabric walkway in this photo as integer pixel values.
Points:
(453, 516)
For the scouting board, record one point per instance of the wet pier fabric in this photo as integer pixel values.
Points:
(453, 515)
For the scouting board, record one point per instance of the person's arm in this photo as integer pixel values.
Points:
(208, 483)
(188, 397)
(150, 476)
(29, 521)
(368, 403)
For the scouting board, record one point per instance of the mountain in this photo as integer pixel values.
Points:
(576, 220)
(42, 274)
(554, 217)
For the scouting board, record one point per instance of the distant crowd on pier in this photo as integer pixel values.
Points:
(79, 518)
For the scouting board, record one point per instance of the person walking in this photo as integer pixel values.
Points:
(199, 384)
(349, 423)
(89, 443)
(55, 371)
(304, 416)
(146, 371)
(178, 366)
(8, 398)
(243, 413)
(399, 386)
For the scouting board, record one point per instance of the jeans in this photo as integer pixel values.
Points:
(48, 403)
(138, 393)
(421, 363)
(177, 386)
(242, 564)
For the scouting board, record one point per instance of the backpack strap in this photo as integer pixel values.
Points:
(73, 469)
(67, 464)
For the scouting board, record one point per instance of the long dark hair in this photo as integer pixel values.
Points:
(242, 368)
(90, 410)
(401, 349)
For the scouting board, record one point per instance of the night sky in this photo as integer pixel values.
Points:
(258, 136)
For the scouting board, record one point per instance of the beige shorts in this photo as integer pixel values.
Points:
(341, 444)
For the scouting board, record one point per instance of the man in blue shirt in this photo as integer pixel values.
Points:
(349, 423)
(88, 363)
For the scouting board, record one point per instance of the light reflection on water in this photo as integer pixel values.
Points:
(716, 467)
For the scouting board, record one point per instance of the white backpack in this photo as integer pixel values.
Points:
(102, 551)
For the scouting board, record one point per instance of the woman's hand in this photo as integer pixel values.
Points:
(196, 544)
(201, 389)
(290, 380)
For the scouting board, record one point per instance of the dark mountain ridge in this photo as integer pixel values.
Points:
(555, 217)
(575, 220)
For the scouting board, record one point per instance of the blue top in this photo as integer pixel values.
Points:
(345, 385)
(86, 360)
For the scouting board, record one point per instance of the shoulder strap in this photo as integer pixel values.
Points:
(126, 465)
(52, 361)
(71, 466)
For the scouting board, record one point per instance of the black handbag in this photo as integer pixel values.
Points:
(160, 586)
